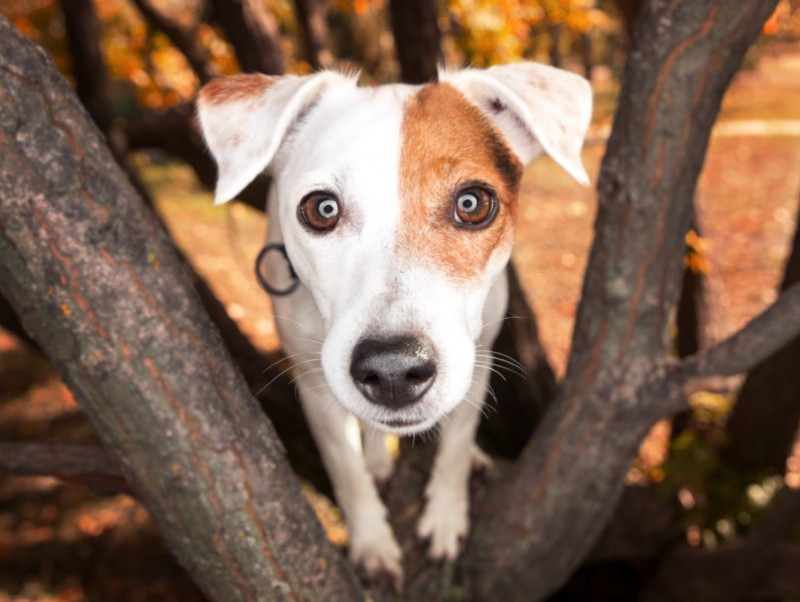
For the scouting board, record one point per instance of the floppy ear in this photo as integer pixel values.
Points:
(536, 106)
(244, 118)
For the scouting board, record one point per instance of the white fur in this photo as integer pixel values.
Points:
(355, 283)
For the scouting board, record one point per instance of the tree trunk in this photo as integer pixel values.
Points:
(312, 15)
(96, 282)
(764, 421)
(253, 33)
(416, 39)
(561, 493)
(629, 11)
(88, 65)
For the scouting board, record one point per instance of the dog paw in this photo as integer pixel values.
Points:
(377, 555)
(444, 523)
(479, 459)
(381, 467)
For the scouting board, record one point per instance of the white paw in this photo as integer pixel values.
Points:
(380, 466)
(374, 550)
(445, 523)
(479, 459)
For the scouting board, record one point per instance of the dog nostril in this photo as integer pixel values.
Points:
(393, 372)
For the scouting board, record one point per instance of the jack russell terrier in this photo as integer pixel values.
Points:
(393, 208)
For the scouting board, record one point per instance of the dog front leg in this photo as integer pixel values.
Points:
(445, 520)
(379, 461)
(373, 547)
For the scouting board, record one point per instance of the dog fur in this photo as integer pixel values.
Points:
(396, 263)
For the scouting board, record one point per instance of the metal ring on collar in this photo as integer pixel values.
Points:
(261, 274)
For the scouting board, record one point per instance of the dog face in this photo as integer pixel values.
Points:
(397, 206)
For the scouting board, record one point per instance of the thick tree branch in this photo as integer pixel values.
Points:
(559, 497)
(94, 279)
(185, 40)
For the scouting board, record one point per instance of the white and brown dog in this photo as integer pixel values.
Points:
(396, 205)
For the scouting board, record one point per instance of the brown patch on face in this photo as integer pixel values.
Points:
(236, 87)
(448, 143)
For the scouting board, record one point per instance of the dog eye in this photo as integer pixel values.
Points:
(319, 211)
(474, 206)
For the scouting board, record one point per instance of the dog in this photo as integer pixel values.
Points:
(391, 220)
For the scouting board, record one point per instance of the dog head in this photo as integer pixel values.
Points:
(397, 207)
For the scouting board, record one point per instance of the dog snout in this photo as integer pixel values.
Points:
(393, 372)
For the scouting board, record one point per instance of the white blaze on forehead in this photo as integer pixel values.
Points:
(349, 145)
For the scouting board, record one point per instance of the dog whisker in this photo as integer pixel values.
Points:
(499, 364)
(502, 358)
(282, 372)
(288, 357)
(503, 319)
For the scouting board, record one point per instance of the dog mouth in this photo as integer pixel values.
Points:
(404, 426)
(401, 423)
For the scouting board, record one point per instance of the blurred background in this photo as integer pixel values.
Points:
(137, 65)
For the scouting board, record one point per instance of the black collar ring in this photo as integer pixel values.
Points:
(261, 273)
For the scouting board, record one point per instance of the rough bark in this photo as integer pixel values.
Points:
(416, 39)
(312, 15)
(253, 33)
(183, 39)
(561, 493)
(96, 282)
(764, 422)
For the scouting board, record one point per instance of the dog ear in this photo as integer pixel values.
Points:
(244, 118)
(536, 106)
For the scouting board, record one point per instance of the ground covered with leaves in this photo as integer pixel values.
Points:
(71, 543)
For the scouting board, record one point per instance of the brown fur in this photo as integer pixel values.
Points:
(236, 87)
(446, 143)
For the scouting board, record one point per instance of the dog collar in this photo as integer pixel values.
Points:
(261, 272)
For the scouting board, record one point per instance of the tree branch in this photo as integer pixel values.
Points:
(760, 338)
(312, 17)
(559, 496)
(253, 32)
(416, 39)
(175, 132)
(183, 39)
(96, 282)
(85, 464)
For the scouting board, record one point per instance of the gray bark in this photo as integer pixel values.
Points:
(564, 489)
(95, 281)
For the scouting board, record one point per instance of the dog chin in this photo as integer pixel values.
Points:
(403, 427)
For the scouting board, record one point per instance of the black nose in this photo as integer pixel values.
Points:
(393, 372)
